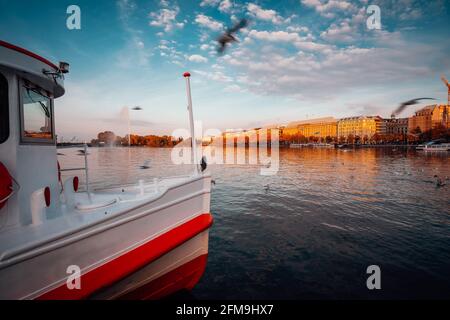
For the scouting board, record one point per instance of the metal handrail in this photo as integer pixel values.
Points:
(73, 169)
(85, 168)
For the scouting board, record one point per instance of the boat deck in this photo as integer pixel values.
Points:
(106, 204)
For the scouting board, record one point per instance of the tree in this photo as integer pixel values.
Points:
(351, 138)
(416, 130)
(365, 139)
(106, 137)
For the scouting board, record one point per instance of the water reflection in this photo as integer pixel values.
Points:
(311, 230)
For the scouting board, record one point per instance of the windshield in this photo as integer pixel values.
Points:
(37, 114)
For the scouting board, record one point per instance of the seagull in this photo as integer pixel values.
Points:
(403, 105)
(439, 182)
(136, 108)
(81, 152)
(228, 36)
(203, 163)
(145, 165)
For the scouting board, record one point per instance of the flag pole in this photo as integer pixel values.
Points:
(187, 76)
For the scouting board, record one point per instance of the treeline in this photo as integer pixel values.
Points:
(417, 136)
(108, 138)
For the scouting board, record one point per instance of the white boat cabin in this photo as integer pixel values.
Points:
(28, 86)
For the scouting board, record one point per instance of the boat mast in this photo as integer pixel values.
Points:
(88, 191)
(187, 76)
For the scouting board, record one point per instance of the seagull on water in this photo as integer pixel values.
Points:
(145, 165)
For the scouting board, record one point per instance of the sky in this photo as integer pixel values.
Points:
(296, 60)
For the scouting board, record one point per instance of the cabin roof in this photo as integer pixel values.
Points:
(33, 67)
(28, 53)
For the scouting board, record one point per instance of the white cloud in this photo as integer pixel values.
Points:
(197, 58)
(265, 15)
(328, 8)
(216, 76)
(205, 47)
(167, 49)
(134, 53)
(166, 18)
(225, 6)
(348, 29)
(233, 88)
(302, 43)
(297, 29)
(208, 22)
(210, 3)
(217, 66)
(329, 72)
(342, 32)
(282, 36)
(313, 46)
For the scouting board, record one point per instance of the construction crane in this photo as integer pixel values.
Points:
(445, 114)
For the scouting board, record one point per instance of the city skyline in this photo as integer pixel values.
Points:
(296, 60)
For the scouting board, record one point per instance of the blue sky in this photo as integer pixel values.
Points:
(297, 59)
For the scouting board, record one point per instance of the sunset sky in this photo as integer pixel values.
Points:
(297, 59)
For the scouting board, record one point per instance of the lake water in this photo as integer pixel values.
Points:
(310, 231)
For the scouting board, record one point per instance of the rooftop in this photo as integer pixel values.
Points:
(294, 124)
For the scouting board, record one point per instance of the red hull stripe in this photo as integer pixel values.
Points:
(129, 262)
(28, 53)
(185, 276)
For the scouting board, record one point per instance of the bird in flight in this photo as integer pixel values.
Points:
(145, 165)
(403, 105)
(82, 152)
(229, 35)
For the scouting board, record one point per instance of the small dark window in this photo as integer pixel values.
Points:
(4, 109)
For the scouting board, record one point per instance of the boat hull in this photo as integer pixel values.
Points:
(116, 248)
(177, 270)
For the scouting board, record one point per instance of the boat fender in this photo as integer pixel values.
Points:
(5, 185)
(47, 196)
(76, 183)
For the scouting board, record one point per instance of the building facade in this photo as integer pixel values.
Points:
(395, 126)
(360, 126)
(429, 117)
(320, 128)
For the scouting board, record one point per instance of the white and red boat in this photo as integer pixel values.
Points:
(142, 241)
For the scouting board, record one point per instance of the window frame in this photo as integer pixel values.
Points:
(29, 140)
(5, 112)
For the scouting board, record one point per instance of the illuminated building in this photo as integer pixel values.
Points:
(360, 126)
(428, 118)
(320, 128)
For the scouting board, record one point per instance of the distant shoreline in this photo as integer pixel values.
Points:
(90, 145)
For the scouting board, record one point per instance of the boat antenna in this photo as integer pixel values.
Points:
(87, 171)
(187, 76)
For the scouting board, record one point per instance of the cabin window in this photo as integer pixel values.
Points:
(4, 109)
(36, 115)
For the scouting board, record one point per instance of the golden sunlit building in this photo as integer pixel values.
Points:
(360, 126)
(320, 128)
(428, 118)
